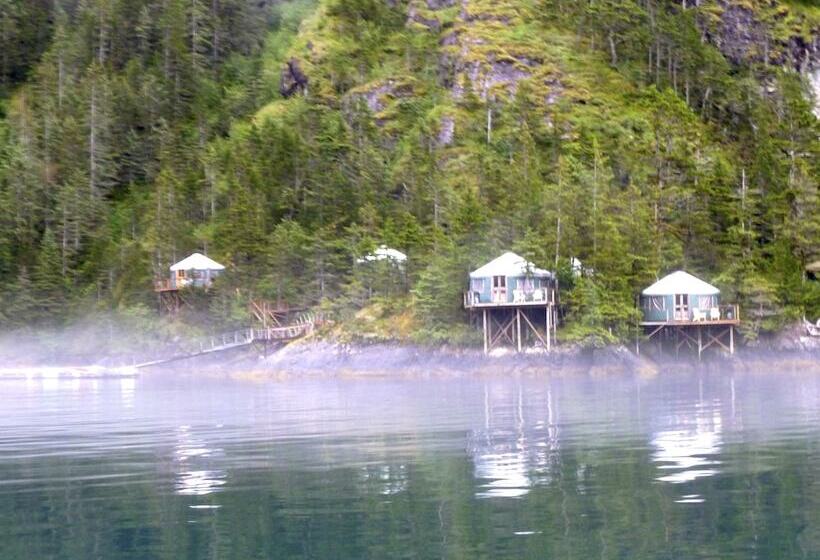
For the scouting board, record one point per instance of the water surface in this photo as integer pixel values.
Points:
(172, 466)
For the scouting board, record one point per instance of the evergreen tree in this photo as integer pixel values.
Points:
(47, 281)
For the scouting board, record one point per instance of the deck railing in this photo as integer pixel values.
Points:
(728, 312)
(163, 285)
(473, 298)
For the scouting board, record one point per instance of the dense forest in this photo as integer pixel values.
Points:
(288, 139)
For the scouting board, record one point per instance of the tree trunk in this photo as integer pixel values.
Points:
(613, 53)
(92, 144)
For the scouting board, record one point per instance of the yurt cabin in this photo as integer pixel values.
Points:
(510, 280)
(194, 271)
(681, 297)
(681, 310)
(513, 302)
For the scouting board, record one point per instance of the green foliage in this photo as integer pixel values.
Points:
(599, 314)
(610, 132)
(48, 283)
(438, 292)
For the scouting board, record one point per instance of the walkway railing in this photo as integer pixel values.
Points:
(303, 325)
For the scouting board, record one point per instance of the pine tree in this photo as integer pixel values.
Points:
(47, 281)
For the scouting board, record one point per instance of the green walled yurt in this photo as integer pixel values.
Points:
(680, 297)
(510, 279)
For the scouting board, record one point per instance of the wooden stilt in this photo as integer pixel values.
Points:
(700, 343)
(485, 331)
(732, 340)
(506, 329)
(677, 343)
(533, 329)
(549, 317)
(518, 327)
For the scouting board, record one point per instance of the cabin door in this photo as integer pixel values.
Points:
(499, 291)
(681, 307)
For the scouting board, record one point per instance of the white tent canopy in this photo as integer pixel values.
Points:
(680, 282)
(384, 253)
(510, 264)
(197, 261)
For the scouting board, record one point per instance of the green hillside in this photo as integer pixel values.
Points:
(289, 139)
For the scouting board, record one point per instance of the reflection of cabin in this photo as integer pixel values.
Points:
(194, 271)
(509, 294)
(685, 307)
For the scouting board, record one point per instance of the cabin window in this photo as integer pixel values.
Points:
(526, 284)
(707, 302)
(654, 303)
(477, 285)
(181, 274)
(499, 281)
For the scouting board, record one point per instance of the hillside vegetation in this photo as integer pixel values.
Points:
(288, 139)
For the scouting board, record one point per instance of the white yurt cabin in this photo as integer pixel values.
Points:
(681, 296)
(195, 271)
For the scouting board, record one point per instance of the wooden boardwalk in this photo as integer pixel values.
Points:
(303, 326)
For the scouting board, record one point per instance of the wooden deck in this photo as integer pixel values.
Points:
(507, 305)
(469, 303)
(699, 334)
(690, 323)
(164, 285)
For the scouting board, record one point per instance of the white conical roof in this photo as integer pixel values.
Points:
(680, 282)
(197, 261)
(384, 253)
(510, 264)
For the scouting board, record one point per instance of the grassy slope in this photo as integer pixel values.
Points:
(568, 83)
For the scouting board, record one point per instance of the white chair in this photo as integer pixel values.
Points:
(518, 296)
(538, 295)
(714, 314)
(698, 315)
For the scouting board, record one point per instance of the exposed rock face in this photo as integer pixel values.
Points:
(804, 56)
(446, 131)
(377, 95)
(474, 57)
(484, 76)
(292, 79)
(814, 79)
(743, 38)
(740, 36)
(430, 23)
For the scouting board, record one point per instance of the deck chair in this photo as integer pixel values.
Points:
(518, 296)
(714, 314)
(698, 314)
(538, 295)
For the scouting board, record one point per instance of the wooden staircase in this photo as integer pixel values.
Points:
(302, 324)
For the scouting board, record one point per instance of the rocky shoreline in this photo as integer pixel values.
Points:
(318, 356)
(322, 358)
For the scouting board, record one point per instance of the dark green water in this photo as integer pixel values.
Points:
(171, 467)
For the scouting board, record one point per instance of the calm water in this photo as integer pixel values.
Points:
(172, 467)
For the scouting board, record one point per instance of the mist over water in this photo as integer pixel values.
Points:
(170, 465)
